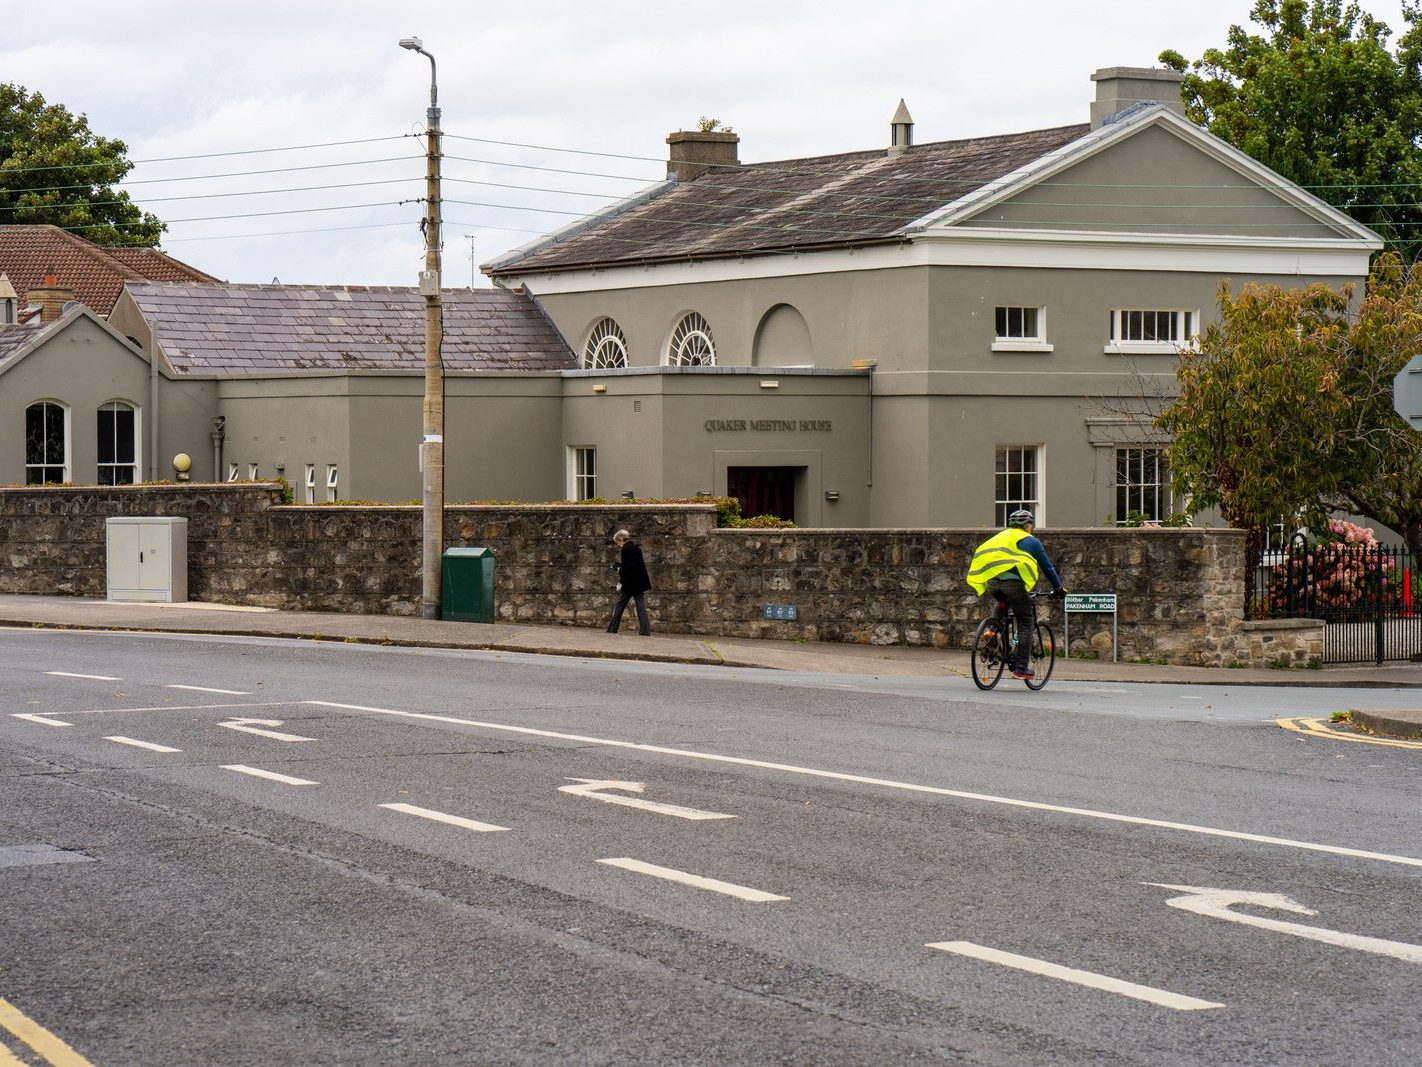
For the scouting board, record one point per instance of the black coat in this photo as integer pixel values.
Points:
(632, 570)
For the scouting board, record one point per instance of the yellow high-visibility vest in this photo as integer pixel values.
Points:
(998, 555)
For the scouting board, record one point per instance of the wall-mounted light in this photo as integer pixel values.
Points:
(704, 492)
(599, 388)
(831, 494)
(627, 494)
(863, 364)
(281, 468)
(770, 385)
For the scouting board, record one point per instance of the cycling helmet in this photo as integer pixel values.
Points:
(1021, 519)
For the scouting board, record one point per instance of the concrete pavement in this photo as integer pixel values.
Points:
(825, 657)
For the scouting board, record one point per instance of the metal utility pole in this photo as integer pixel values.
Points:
(432, 445)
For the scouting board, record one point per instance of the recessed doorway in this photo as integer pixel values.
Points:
(764, 490)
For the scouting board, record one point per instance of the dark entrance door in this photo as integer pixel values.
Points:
(764, 490)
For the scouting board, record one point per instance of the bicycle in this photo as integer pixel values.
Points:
(992, 649)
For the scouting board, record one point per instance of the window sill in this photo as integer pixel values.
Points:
(1146, 348)
(1021, 346)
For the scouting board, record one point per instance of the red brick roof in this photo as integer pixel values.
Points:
(265, 329)
(851, 199)
(28, 253)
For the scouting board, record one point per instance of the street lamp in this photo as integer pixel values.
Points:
(432, 444)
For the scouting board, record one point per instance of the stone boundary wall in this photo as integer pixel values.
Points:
(1180, 592)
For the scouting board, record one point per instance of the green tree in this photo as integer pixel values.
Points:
(1286, 407)
(1320, 97)
(55, 170)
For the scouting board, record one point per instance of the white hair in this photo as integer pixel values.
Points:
(622, 535)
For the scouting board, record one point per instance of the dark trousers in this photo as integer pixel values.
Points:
(1011, 595)
(643, 626)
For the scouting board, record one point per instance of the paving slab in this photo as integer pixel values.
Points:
(806, 656)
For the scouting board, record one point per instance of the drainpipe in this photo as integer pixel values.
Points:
(217, 438)
(153, 408)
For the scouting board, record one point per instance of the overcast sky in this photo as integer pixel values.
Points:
(793, 78)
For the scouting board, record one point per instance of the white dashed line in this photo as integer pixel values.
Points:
(1149, 994)
(257, 772)
(439, 816)
(205, 689)
(741, 892)
(91, 677)
(142, 744)
(30, 717)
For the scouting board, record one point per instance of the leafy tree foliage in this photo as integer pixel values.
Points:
(54, 169)
(1286, 408)
(1320, 97)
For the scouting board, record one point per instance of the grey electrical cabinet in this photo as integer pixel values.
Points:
(148, 558)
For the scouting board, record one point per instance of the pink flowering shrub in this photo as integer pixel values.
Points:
(1340, 571)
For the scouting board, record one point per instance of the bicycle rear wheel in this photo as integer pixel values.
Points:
(1044, 656)
(988, 658)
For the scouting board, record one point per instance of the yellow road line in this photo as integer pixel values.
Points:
(38, 1038)
(1317, 728)
(9, 1059)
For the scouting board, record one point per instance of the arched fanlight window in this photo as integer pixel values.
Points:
(606, 347)
(691, 344)
(46, 444)
(118, 443)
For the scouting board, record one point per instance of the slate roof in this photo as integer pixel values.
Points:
(825, 201)
(252, 330)
(97, 275)
(14, 337)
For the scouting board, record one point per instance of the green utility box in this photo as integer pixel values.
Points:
(468, 585)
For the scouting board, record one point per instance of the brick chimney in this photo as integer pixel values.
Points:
(50, 297)
(694, 152)
(1117, 88)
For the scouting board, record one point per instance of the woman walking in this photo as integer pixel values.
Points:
(632, 583)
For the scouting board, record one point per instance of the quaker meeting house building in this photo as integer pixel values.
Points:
(906, 336)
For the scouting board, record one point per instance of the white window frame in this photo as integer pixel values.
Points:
(254, 471)
(690, 343)
(137, 465)
(1164, 497)
(606, 346)
(333, 483)
(1186, 325)
(581, 485)
(1008, 343)
(310, 484)
(233, 469)
(1005, 502)
(66, 465)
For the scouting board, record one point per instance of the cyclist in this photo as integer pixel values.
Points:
(1007, 565)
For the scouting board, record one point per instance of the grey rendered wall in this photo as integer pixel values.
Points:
(853, 315)
(82, 366)
(1154, 183)
(287, 423)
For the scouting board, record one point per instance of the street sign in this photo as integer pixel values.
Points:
(1407, 392)
(784, 612)
(1100, 603)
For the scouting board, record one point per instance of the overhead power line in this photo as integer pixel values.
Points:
(205, 155)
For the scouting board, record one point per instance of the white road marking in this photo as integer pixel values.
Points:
(39, 717)
(1106, 983)
(591, 787)
(205, 689)
(452, 820)
(912, 787)
(1217, 902)
(251, 726)
(142, 744)
(756, 896)
(188, 707)
(91, 677)
(257, 772)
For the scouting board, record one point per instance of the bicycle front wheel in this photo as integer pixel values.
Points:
(1044, 656)
(988, 658)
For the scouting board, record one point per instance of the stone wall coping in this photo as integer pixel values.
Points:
(1255, 625)
(560, 507)
(149, 487)
(1046, 532)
